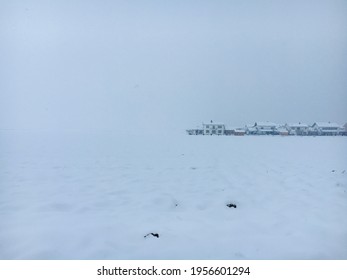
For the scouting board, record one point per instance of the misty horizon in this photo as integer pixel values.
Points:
(148, 64)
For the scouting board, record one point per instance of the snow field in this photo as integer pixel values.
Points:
(95, 196)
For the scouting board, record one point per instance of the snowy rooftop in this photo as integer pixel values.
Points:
(213, 123)
(265, 124)
(250, 128)
(297, 125)
(327, 124)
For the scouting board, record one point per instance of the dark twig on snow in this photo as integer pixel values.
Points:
(153, 234)
(231, 205)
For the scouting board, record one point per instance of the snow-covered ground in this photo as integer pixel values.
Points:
(77, 195)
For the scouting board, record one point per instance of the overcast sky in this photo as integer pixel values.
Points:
(102, 64)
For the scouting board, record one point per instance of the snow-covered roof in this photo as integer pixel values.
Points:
(213, 123)
(250, 128)
(297, 125)
(265, 124)
(327, 124)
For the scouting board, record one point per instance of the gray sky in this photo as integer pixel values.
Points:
(171, 64)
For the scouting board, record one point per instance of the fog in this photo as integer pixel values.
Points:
(170, 65)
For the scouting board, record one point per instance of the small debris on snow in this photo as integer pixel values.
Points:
(332, 170)
(193, 168)
(153, 234)
(343, 171)
(230, 205)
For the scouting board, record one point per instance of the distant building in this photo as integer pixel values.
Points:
(228, 131)
(297, 128)
(213, 128)
(327, 128)
(250, 130)
(283, 131)
(195, 131)
(239, 132)
(235, 131)
(266, 128)
(270, 128)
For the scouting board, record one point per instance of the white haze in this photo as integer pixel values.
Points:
(149, 65)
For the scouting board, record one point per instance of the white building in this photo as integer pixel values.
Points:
(297, 128)
(250, 129)
(327, 128)
(213, 128)
(266, 128)
(282, 130)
